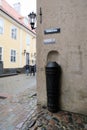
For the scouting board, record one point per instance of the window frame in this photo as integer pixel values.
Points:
(14, 32)
(2, 26)
(13, 56)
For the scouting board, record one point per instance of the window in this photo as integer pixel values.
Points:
(27, 40)
(1, 26)
(13, 56)
(0, 53)
(14, 32)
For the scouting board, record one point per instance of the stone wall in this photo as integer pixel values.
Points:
(68, 48)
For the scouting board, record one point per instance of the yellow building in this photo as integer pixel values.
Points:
(17, 40)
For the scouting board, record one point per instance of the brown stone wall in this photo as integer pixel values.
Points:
(71, 47)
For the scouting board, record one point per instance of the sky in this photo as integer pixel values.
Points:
(27, 6)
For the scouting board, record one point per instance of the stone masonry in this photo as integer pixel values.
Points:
(67, 47)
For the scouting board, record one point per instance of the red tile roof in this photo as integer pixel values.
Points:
(13, 13)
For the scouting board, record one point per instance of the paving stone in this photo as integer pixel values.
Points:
(39, 123)
(19, 125)
(55, 128)
(52, 122)
(79, 120)
(49, 127)
(71, 127)
(48, 117)
(35, 128)
(31, 123)
(56, 120)
(43, 128)
(44, 121)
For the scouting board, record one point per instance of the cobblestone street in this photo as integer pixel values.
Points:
(17, 100)
(19, 111)
(62, 120)
(15, 111)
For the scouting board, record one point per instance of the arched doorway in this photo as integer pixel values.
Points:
(52, 56)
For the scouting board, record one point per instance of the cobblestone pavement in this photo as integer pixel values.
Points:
(42, 119)
(17, 100)
(13, 85)
(15, 110)
(21, 112)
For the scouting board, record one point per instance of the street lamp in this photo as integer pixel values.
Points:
(32, 18)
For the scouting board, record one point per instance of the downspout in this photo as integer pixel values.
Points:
(20, 52)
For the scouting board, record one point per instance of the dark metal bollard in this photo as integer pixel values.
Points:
(53, 74)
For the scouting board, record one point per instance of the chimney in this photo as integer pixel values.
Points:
(17, 7)
(0, 3)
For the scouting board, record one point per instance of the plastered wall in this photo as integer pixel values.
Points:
(70, 47)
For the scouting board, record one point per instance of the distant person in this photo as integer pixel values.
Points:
(35, 68)
(27, 69)
(32, 70)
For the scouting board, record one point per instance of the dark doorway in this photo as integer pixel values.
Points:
(27, 58)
